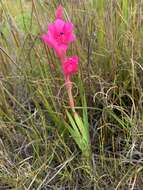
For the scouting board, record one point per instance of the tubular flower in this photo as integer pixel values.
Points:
(59, 36)
(70, 65)
(59, 12)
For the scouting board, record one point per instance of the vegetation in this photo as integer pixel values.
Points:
(36, 149)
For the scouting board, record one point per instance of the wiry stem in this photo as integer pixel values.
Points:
(69, 90)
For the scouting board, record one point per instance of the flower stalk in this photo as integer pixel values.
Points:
(69, 91)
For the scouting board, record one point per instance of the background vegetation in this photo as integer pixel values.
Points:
(36, 150)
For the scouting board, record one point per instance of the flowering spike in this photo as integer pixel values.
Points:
(59, 36)
(59, 12)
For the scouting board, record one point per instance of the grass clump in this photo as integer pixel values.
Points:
(36, 149)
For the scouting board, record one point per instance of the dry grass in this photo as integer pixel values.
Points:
(36, 151)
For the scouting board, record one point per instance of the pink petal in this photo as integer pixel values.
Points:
(61, 50)
(68, 30)
(71, 38)
(75, 59)
(59, 12)
(70, 65)
(68, 27)
(59, 25)
(51, 28)
(49, 41)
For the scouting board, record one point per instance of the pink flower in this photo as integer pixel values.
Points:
(70, 65)
(59, 36)
(59, 12)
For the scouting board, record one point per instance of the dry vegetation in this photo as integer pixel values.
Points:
(36, 150)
